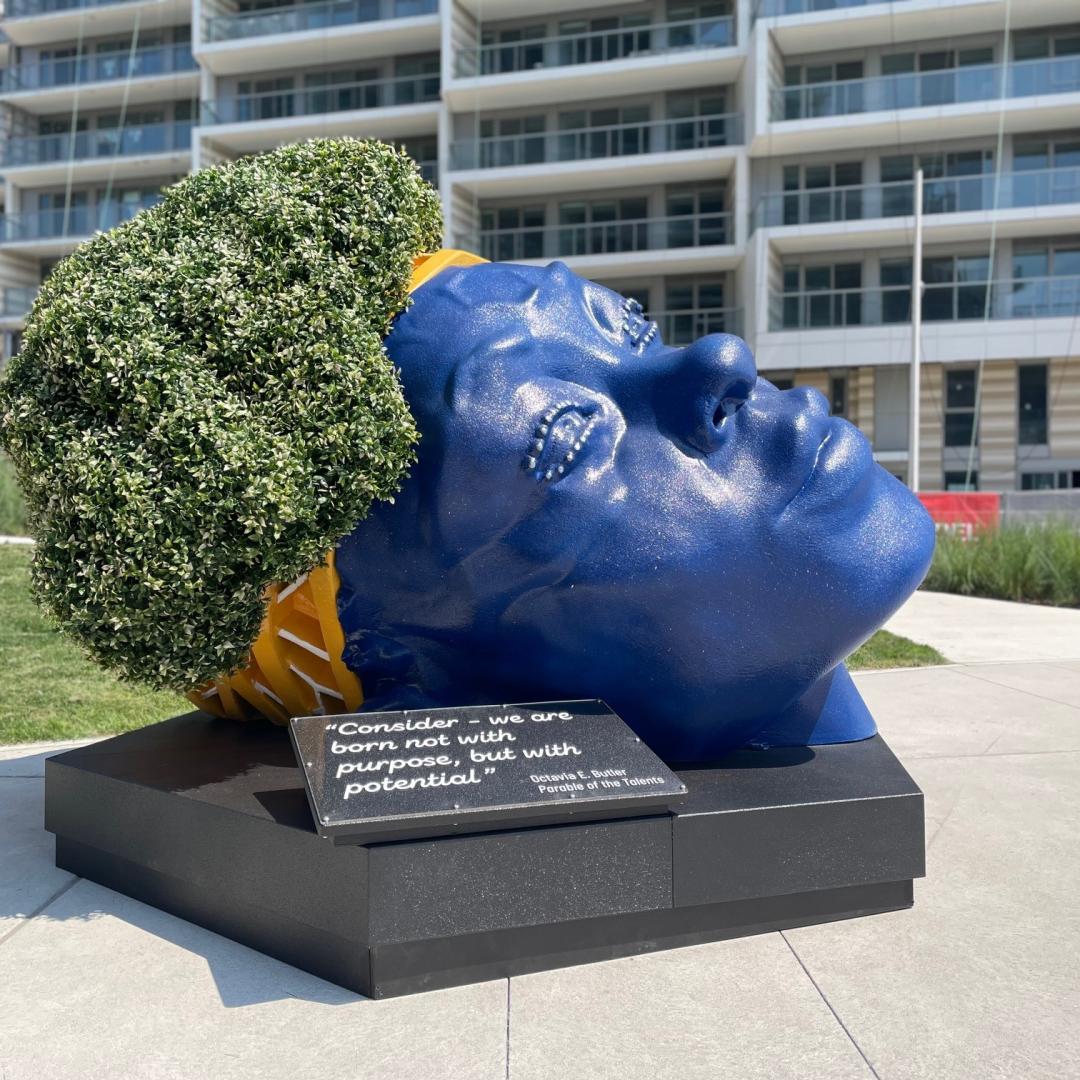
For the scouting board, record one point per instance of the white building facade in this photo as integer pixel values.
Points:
(744, 166)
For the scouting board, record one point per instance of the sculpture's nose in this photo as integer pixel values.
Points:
(708, 382)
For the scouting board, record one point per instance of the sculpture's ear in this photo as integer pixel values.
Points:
(831, 711)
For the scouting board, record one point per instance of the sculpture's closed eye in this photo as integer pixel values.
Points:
(559, 440)
(639, 330)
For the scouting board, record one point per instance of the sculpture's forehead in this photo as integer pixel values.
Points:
(503, 322)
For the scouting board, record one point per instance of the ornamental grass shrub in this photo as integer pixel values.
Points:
(202, 404)
(1034, 563)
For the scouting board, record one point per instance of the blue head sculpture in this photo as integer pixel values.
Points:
(597, 514)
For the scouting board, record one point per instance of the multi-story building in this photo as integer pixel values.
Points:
(745, 166)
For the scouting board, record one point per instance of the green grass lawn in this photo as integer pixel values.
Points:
(12, 518)
(48, 691)
(885, 650)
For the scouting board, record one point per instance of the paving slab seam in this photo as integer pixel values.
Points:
(38, 910)
(507, 1073)
(829, 1006)
(1005, 686)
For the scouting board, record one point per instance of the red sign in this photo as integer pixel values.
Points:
(963, 511)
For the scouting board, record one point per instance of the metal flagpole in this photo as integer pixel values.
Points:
(916, 337)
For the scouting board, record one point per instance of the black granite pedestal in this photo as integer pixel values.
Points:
(208, 819)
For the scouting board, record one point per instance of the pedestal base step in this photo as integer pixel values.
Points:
(208, 820)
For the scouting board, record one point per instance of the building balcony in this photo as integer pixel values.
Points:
(961, 102)
(37, 22)
(767, 9)
(656, 151)
(668, 245)
(233, 42)
(685, 327)
(384, 108)
(1010, 298)
(1010, 319)
(15, 303)
(575, 67)
(957, 208)
(102, 79)
(57, 231)
(139, 150)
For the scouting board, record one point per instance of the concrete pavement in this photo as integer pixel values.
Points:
(973, 630)
(979, 980)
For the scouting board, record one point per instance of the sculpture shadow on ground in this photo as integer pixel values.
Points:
(242, 976)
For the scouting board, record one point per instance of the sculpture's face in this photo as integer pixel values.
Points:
(597, 514)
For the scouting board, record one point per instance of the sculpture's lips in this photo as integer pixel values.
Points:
(842, 459)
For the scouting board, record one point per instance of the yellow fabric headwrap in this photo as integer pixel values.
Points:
(295, 667)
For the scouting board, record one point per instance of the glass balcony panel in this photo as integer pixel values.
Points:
(316, 100)
(590, 143)
(600, 237)
(954, 194)
(104, 142)
(976, 82)
(99, 67)
(595, 46)
(296, 18)
(16, 301)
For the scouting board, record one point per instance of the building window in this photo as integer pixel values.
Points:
(962, 481)
(961, 390)
(782, 382)
(838, 394)
(828, 295)
(1032, 404)
(1045, 281)
(693, 309)
(510, 232)
(815, 193)
(955, 287)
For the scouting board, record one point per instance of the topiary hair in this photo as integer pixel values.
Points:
(202, 404)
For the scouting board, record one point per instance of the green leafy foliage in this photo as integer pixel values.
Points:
(1033, 563)
(202, 404)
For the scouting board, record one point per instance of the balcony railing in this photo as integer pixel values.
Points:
(686, 326)
(1009, 298)
(979, 82)
(595, 46)
(74, 222)
(20, 9)
(105, 142)
(314, 100)
(16, 301)
(296, 18)
(767, 8)
(941, 195)
(99, 67)
(612, 140)
(601, 238)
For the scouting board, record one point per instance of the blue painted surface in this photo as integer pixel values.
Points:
(597, 514)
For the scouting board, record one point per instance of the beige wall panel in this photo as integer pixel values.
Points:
(818, 380)
(1064, 395)
(861, 389)
(931, 428)
(997, 427)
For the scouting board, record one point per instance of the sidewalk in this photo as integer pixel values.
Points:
(980, 979)
(971, 630)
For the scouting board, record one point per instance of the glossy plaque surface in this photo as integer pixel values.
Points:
(433, 772)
